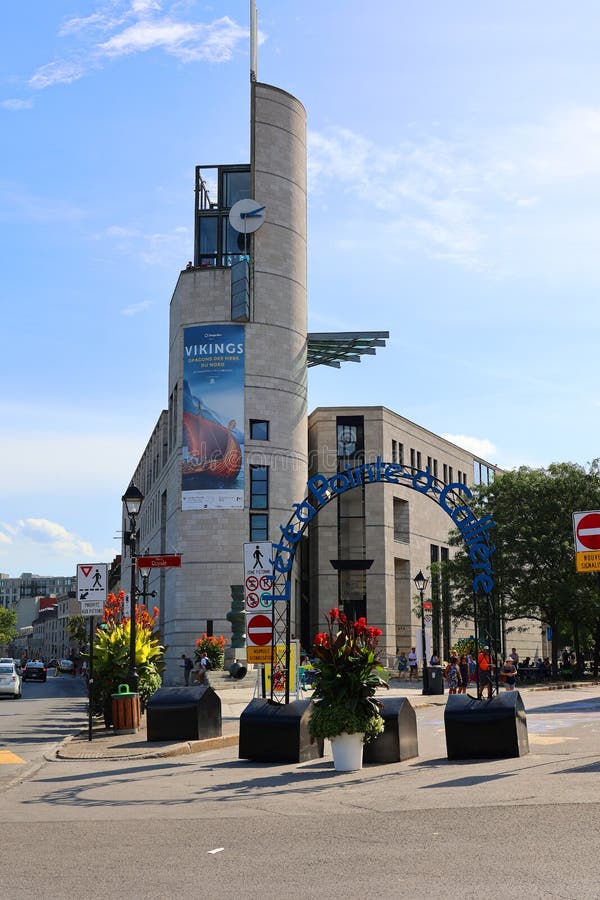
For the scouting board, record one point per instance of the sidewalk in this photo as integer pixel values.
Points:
(105, 744)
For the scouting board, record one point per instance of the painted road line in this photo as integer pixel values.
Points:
(7, 757)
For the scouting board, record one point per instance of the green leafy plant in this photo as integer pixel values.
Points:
(348, 673)
(112, 647)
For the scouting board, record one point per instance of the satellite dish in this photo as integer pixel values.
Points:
(246, 216)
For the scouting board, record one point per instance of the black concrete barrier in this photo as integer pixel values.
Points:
(399, 738)
(190, 713)
(277, 732)
(486, 729)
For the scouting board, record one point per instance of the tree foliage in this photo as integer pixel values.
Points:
(8, 625)
(534, 560)
(77, 630)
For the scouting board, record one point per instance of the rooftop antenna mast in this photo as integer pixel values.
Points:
(253, 42)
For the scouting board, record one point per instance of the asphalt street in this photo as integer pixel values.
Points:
(210, 825)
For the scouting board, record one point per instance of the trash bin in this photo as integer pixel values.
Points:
(435, 680)
(125, 710)
(190, 713)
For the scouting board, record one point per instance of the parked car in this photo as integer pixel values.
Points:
(66, 665)
(34, 671)
(10, 680)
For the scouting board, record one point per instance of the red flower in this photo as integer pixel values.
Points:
(360, 625)
(322, 640)
(334, 613)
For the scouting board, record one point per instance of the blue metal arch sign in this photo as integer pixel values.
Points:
(450, 497)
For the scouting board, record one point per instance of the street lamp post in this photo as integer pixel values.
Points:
(133, 499)
(421, 584)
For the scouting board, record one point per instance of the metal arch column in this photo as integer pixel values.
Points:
(419, 480)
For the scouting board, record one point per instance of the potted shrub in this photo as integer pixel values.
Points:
(348, 672)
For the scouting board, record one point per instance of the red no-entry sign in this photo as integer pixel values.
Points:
(259, 630)
(587, 531)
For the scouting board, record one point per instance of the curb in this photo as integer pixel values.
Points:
(65, 752)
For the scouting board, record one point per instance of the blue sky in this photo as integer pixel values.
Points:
(454, 174)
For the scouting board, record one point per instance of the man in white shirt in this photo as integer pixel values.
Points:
(413, 664)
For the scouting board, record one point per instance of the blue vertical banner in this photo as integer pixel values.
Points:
(212, 472)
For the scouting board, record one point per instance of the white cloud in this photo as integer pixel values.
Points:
(136, 308)
(59, 72)
(62, 541)
(520, 201)
(119, 29)
(16, 105)
(477, 446)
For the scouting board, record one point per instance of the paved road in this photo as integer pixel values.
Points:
(210, 825)
(36, 724)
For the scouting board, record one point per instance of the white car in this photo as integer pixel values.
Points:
(10, 680)
(66, 665)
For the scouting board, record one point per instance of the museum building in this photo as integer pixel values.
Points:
(233, 452)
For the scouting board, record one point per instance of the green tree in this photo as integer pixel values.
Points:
(8, 626)
(77, 630)
(534, 560)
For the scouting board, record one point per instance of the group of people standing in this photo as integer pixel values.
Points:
(461, 670)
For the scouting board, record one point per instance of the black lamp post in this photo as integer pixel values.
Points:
(133, 499)
(421, 583)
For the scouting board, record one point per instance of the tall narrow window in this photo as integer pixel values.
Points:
(394, 451)
(259, 527)
(259, 487)
(418, 459)
(401, 521)
(412, 458)
(401, 454)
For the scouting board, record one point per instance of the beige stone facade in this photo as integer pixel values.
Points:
(369, 543)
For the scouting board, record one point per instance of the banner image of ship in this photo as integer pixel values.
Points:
(213, 417)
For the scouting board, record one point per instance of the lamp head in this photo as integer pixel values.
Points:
(420, 581)
(133, 499)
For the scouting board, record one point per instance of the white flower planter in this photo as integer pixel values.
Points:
(347, 751)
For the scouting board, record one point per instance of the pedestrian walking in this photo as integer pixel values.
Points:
(453, 676)
(484, 662)
(463, 665)
(187, 667)
(413, 664)
(402, 666)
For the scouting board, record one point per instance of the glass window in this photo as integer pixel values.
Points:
(259, 430)
(419, 460)
(259, 487)
(259, 527)
(233, 243)
(235, 186)
(412, 458)
(350, 437)
(207, 237)
(394, 451)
